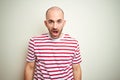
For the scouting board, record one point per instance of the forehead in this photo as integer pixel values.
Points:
(54, 14)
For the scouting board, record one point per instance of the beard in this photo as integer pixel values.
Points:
(55, 33)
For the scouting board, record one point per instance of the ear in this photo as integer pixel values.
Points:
(45, 22)
(64, 22)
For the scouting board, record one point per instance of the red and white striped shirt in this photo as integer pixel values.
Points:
(53, 57)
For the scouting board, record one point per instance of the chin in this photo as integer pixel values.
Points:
(55, 37)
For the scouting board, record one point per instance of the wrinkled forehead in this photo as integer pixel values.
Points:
(54, 12)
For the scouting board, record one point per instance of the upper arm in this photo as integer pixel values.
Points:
(77, 55)
(31, 52)
(76, 67)
(77, 73)
(29, 69)
(30, 65)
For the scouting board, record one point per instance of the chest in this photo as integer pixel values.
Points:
(54, 53)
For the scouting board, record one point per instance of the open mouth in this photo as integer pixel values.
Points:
(55, 32)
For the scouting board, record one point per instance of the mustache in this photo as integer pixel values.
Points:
(54, 29)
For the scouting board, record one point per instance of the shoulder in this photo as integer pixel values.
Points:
(68, 37)
(40, 37)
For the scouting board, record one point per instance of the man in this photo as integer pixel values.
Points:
(53, 55)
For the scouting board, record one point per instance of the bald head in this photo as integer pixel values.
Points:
(55, 21)
(54, 9)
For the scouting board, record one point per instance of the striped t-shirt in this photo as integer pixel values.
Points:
(53, 57)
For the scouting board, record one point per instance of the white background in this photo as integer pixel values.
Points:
(94, 23)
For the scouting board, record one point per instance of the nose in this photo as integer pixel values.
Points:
(55, 25)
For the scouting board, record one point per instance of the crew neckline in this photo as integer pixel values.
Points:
(61, 37)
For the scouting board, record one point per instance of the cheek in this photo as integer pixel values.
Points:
(61, 27)
(48, 26)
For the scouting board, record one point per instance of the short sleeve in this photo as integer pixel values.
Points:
(77, 55)
(30, 54)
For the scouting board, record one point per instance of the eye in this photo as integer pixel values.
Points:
(50, 21)
(59, 21)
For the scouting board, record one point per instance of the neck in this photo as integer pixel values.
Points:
(61, 35)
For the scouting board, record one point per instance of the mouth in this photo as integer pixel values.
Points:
(55, 32)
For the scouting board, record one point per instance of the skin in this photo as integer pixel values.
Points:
(29, 69)
(77, 72)
(54, 23)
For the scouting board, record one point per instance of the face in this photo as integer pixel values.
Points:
(55, 22)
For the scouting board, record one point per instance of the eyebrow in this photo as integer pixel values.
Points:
(53, 20)
(50, 20)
